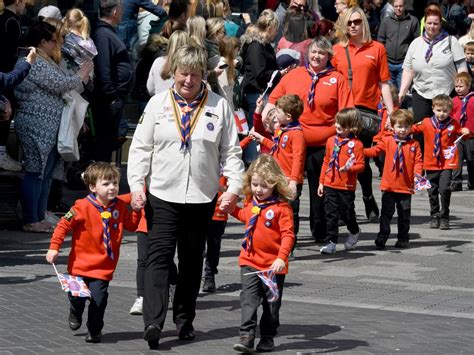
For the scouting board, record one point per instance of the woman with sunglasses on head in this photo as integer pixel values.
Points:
(367, 60)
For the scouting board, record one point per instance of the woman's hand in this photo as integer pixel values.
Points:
(278, 265)
(84, 71)
(138, 200)
(51, 256)
(227, 202)
(31, 57)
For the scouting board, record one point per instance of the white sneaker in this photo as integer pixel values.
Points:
(352, 240)
(137, 308)
(7, 163)
(329, 248)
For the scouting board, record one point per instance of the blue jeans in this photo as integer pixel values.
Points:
(35, 190)
(396, 74)
(250, 153)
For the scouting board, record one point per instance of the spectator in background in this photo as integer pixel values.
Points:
(10, 34)
(458, 16)
(114, 79)
(215, 32)
(300, 5)
(396, 33)
(468, 37)
(176, 20)
(196, 28)
(295, 35)
(127, 29)
(50, 11)
(324, 28)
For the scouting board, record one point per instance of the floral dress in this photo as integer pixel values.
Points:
(40, 105)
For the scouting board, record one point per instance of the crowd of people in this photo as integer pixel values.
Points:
(325, 87)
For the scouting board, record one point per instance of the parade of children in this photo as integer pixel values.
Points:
(197, 204)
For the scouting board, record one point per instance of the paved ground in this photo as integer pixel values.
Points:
(419, 300)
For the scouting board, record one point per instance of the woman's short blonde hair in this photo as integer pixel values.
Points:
(214, 26)
(266, 20)
(343, 33)
(267, 168)
(191, 58)
(322, 43)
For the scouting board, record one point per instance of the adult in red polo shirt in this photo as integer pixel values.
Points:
(324, 92)
(370, 76)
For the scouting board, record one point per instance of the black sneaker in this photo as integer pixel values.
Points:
(152, 336)
(265, 345)
(75, 322)
(186, 332)
(402, 244)
(434, 223)
(444, 224)
(93, 338)
(457, 187)
(209, 285)
(245, 344)
(380, 242)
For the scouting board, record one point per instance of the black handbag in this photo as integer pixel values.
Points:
(370, 119)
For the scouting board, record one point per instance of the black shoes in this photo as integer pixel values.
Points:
(457, 187)
(152, 336)
(209, 285)
(434, 223)
(265, 345)
(380, 242)
(444, 224)
(186, 333)
(245, 344)
(93, 338)
(75, 322)
(371, 208)
(402, 244)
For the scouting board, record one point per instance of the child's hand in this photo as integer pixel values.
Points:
(256, 136)
(260, 105)
(51, 256)
(292, 185)
(278, 265)
(320, 190)
(465, 131)
(348, 164)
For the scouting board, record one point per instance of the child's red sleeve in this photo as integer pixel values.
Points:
(131, 220)
(286, 231)
(376, 150)
(267, 143)
(258, 124)
(299, 153)
(239, 213)
(325, 161)
(417, 128)
(245, 142)
(64, 226)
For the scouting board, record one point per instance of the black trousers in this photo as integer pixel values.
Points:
(466, 152)
(254, 293)
(142, 256)
(402, 202)
(215, 232)
(339, 204)
(97, 304)
(184, 226)
(317, 216)
(440, 190)
(106, 118)
(295, 205)
(365, 177)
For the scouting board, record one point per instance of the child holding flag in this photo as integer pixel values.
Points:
(403, 164)
(263, 258)
(344, 159)
(440, 133)
(97, 223)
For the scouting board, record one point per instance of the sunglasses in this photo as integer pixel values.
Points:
(356, 22)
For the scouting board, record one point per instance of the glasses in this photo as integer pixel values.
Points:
(299, 6)
(356, 22)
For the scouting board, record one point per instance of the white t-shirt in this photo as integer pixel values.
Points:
(437, 76)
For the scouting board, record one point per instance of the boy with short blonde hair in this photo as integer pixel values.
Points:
(440, 157)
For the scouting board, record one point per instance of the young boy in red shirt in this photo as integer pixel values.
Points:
(97, 224)
(344, 159)
(288, 147)
(403, 163)
(463, 112)
(440, 157)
